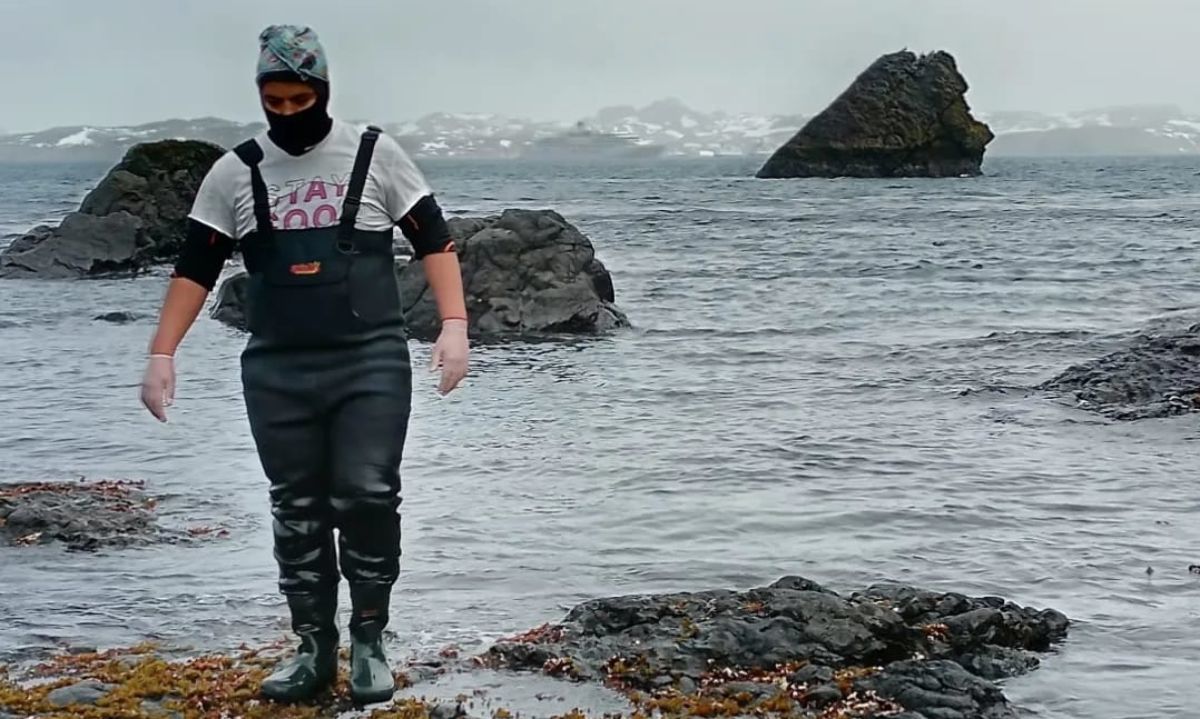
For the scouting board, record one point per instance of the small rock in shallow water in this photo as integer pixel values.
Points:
(418, 673)
(118, 318)
(81, 649)
(447, 711)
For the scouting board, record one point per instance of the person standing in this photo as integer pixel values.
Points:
(311, 202)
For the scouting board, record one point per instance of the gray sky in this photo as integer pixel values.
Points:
(70, 62)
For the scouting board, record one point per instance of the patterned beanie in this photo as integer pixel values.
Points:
(291, 49)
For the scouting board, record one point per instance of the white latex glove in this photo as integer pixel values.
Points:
(158, 385)
(450, 354)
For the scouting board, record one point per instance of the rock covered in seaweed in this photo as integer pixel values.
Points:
(795, 646)
(88, 515)
(81, 515)
(904, 116)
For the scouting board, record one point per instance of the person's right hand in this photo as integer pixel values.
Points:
(158, 385)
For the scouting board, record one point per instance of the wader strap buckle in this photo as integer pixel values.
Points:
(358, 180)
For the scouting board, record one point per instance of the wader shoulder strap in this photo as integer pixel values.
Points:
(358, 180)
(250, 153)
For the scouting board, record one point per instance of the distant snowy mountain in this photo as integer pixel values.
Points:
(1122, 130)
(84, 144)
(669, 125)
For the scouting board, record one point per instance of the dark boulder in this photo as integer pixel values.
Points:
(134, 218)
(904, 116)
(1156, 375)
(525, 273)
(883, 651)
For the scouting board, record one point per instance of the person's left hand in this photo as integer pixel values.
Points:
(450, 353)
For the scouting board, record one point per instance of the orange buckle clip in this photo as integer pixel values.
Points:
(305, 268)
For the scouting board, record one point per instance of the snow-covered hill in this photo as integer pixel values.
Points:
(1122, 130)
(670, 124)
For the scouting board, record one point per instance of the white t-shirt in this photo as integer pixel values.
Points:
(307, 191)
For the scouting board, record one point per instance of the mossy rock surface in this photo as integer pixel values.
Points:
(904, 116)
(135, 217)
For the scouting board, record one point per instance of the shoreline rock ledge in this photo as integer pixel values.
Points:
(904, 116)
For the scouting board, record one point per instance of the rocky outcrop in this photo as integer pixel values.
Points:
(135, 217)
(1156, 375)
(795, 645)
(904, 116)
(525, 273)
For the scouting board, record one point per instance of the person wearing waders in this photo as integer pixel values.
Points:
(311, 203)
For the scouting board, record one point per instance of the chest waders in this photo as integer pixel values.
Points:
(327, 382)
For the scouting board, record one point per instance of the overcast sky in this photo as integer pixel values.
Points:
(69, 62)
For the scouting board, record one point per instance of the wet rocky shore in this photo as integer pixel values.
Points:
(790, 649)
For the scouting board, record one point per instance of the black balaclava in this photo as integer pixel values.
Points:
(298, 133)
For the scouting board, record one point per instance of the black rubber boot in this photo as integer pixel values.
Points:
(371, 679)
(314, 668)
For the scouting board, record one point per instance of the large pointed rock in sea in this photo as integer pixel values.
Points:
(134, 218)
(904, 116)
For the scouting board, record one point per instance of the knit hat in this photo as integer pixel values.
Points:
(291, 49)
